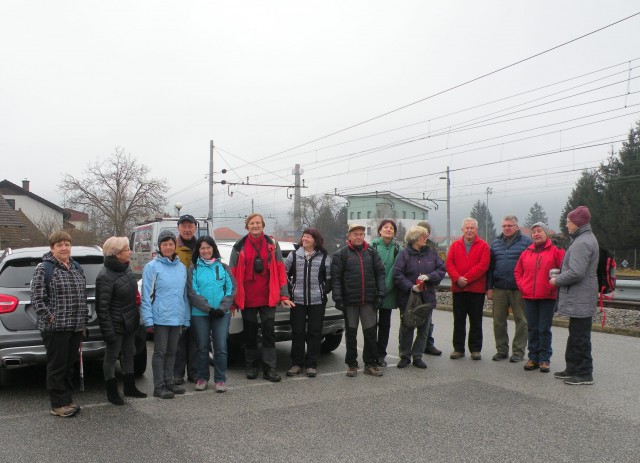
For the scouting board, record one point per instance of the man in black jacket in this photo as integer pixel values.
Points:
(358, 286)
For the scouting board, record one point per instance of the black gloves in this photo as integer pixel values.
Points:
(379, 302)
(339, 305)
(217, 313)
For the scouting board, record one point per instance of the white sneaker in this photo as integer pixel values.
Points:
(221, 387)
(201, 385)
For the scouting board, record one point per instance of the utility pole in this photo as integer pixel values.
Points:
(211, 180)
(297, 215)
(486, 216)
(448, 179)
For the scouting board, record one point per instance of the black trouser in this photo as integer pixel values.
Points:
(353, 315)
(186, 355)
(467, 305)
(250, 328)
(62, 355)
(310, 317)
(578, 353)
(384, 327)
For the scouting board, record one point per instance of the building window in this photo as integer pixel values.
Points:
(351, 215)
(368, 214)
(424, 216)
(369, 231)
(404, 214)
(359, 215)
(394, 214)
(12, 203)
(414, 215)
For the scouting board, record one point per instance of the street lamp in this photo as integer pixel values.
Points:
(486, 215)
(448, 179)
(178, 206)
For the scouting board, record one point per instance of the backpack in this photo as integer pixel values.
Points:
(396, 248)
(322, 274)
(49, 267)
(606, 273)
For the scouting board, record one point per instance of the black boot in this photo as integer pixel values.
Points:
(112, 392)
(130, 389)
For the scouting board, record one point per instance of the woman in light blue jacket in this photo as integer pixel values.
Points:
(211, 290)
(166, 311)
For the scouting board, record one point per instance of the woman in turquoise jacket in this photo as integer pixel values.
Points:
(165, 310)
(212, 289)
(388, 249)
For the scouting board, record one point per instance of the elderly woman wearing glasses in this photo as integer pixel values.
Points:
(418, 268)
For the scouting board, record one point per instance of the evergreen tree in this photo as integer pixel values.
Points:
(485, 221)
(536, 214)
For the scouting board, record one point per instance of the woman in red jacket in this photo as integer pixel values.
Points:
(532, 278)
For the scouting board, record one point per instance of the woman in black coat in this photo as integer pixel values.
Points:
(116, 291)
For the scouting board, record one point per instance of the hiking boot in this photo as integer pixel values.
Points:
(516, 358)
(178, 380)
(271, 375)
(352, 372)
(585, 380)
(419, 363)
(294, 370)
(456, 355)
(175, 389)
(432, 350)
(544, 367)
(311, 372)
(163, 393)
(252, 373)
(65, 411)
(476, 356)
(403, 363)
(382, 363)
(221, 386)
(499, 356)
(372, 370)
(75, 406)
(531, 365)
(563, 374)
(201, 385)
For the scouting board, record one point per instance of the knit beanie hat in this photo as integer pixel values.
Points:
(424, 224)
(579, 216)
(541, 225)
(166, 235)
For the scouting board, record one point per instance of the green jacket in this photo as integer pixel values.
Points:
(388, 254)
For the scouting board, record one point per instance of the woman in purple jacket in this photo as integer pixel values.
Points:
(418, 268)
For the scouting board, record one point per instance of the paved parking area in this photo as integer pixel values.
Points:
(460, 410)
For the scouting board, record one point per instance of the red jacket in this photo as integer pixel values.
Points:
(278, 289)
(532, 271)
(472, 266)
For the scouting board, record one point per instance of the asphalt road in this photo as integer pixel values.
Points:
(456, 410)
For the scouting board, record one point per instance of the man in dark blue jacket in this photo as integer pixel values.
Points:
(503, 291)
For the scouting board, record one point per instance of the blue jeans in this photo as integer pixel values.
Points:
(215, 330)
(539, 313)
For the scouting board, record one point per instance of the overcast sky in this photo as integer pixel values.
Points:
(161, 79)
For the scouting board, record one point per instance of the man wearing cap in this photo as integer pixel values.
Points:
(578, 296)
(358, 288)
(430, 348)
(503, 290)
(186, 357)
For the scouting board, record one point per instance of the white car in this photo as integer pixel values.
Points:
(333, 318)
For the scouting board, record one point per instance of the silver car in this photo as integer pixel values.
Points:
(20, 341)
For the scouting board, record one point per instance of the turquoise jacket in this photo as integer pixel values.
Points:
(388, 254)
(164, 293)
(213, 281)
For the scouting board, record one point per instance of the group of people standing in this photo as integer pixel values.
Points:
(533, 279)
(188, 295)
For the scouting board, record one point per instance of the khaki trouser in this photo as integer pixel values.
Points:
(502, 300)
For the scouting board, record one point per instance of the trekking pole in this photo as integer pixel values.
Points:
(81, 369)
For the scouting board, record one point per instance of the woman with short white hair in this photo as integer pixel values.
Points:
(117, 309)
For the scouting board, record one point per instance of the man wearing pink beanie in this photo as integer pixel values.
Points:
(578, 296)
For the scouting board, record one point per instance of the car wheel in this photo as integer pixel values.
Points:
(140, 361)
(330, 343)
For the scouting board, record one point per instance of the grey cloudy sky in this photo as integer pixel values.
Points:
(161, 79)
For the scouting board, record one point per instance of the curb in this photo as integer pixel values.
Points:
(565, 324)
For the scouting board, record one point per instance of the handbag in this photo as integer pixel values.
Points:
(417, 312)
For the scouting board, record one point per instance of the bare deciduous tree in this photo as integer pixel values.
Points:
(115, 192)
